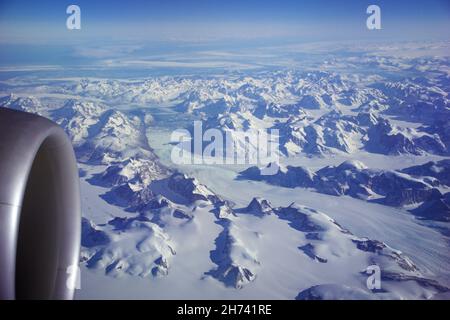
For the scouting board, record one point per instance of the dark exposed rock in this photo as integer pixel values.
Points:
(310, 251)
(354, 179)
(90, 236)
(434, 209)
(436, 169)
(369, 245)
(259, 206)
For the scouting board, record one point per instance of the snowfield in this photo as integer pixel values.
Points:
(364, 179)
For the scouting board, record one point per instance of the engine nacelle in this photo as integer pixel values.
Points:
(40, 216)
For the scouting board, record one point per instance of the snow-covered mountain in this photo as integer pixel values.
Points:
(133, 170)
(385, 138)
(133, 246)
(353, 178)
(150, 251)
(27, 104)
(100, 134)
(171, 230)
(77, 117)
(318, 227)
(439, 170)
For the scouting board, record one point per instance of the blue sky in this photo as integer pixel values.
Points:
(211, 20)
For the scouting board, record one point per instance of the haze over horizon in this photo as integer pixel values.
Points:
(43, 22)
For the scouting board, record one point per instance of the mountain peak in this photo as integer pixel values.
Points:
(352, 165)
(259, 206)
